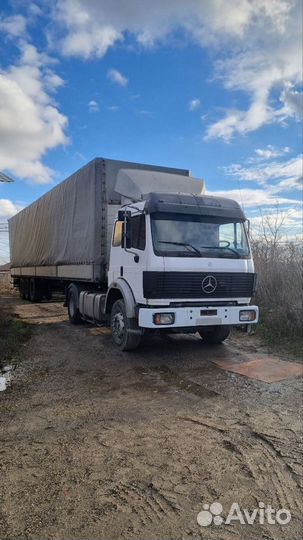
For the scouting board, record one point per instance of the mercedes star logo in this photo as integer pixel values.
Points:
(209, 284)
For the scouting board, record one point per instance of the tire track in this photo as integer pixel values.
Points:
(147, 502)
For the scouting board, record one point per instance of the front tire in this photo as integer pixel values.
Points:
(212, 335)
(72, 306)
(126, 334)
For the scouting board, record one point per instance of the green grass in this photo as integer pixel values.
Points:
(13, 334)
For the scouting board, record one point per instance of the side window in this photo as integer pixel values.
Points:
(118, 234)
(138, 232)
(231, 233)
(227, 233)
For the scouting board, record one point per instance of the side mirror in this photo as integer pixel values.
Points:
(125, 217)
(128, 235)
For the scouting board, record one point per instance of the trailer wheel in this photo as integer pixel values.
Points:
(125, 332)
(35, 294)
(72, 306)
(214, 334)
(21, 288)
(26, 289)
(49, 294)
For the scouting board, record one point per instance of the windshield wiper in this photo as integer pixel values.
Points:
(223, 247)
(185, 244)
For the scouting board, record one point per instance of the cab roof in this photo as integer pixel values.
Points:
(187, 203)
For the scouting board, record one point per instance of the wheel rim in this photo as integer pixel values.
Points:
(118, 327)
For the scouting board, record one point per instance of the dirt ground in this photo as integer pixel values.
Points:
(100, 444)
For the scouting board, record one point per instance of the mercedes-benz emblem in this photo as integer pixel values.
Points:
(209, 284)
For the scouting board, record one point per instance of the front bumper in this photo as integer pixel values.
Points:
(197, 316)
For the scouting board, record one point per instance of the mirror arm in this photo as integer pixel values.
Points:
(248, 226)
(136, 256)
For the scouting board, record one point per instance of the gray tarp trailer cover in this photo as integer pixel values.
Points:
(66, 232)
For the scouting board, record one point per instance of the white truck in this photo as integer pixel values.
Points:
(139, 248)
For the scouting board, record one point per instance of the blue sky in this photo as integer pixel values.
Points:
(212, 86)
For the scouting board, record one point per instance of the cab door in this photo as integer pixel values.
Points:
(130, 263)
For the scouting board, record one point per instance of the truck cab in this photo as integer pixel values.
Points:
(186, 263)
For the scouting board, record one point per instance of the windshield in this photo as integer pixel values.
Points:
(182, 235)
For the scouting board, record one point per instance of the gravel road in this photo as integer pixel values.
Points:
(100, 444)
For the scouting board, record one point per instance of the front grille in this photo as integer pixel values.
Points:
(189, 285)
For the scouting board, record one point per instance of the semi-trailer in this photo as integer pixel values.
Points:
(138, 248)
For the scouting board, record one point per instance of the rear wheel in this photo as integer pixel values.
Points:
(21, 288)
(125, 332)
(48, 292)
(26, 288)
(214, 334)
(35, 294)
(72, 306)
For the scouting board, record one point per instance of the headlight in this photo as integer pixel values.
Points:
(247, 315)
(164, 318)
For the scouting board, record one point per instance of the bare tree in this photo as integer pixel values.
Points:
(278, 262)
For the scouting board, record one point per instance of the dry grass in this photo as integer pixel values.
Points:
(5, 283)
(13, 333)
(279, 291)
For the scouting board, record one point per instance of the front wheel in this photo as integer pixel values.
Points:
(125, 332)
(213, 335)
(72, 307)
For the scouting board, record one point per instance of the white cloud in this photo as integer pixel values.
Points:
(256, 45)
(194, 104)
(270, 152)
(293, 102)
(13, 26)
(8, 208)
(52, 81)
(113, 108)
(116, 77)
(280, 175)
(93, 106)
(250, 198)
(34, 10)
(99, 24)
(269, 61)
(30, 122)
(275, 181)
(85, 44)
(145, 112)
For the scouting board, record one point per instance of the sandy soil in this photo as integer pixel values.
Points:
(98, 444)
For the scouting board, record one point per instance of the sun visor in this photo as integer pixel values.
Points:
(136, 184)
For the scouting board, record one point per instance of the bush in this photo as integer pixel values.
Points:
(278, 263)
